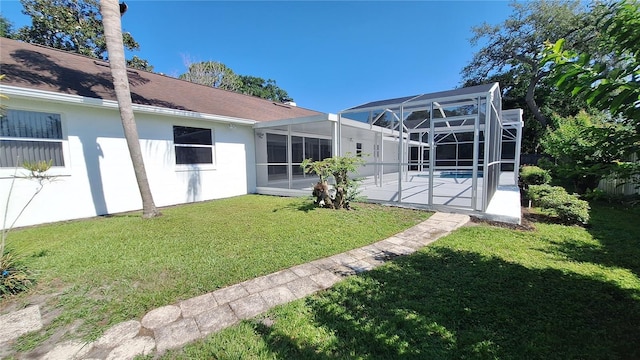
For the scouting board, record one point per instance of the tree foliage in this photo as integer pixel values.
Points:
(212, 73)
(586, 148)
(340, 168)
(218, 75)
(141, 64)
(6, 27)
(610, 84)
(69, 25)
(266, 89)
(511, 54)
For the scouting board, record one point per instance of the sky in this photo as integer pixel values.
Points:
(328, 55)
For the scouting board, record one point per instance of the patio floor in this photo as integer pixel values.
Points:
(452, 194)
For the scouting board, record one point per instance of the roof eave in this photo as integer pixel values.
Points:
(296, 121)
(20, 92)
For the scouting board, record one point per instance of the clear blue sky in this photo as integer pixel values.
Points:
(328, 55)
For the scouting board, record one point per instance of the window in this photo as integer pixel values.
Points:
(30, 136)
(302, 148)
(193, 145)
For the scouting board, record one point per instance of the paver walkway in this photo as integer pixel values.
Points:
(175, 325)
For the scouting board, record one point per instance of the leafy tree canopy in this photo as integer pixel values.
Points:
(70, 25)
(141, 64)
(586, 148)
(212, 73)
(266, 89)
(6, 27)
(610, 83)
(218, 75)
(511, 54)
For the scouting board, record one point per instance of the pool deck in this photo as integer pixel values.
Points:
(451, 194)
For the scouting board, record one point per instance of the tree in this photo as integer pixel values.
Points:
(141, 64)
(610, 84)
(218, 75)
(212, 73)
(266, 89)
(6, 27)
(513, 49)
(70, 25)
(113, 34)
(586, 148)
(340, 168)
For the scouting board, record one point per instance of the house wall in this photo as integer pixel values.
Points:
(98, 176)
(389, 153)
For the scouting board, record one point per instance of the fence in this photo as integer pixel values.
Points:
(621, 187)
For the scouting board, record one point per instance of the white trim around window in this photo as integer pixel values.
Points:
(34, 136)
(194, 148)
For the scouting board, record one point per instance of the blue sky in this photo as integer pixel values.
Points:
(328, 55)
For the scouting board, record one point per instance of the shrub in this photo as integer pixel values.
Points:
(537, 192)
(340, 168)
(533, 175)
(14, 276)
(569, 208)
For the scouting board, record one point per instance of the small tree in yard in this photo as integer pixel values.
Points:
(585, 149)
(14, 275)
(338, 167)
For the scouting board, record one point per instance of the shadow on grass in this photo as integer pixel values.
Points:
(444, 304)
(305, 205)
(617, 231)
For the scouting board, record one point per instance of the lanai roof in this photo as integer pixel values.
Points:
(42, 68)
(424, 98)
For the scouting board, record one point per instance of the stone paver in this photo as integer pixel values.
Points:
(69, 350)
(230, 294)
(258, 284)
(361, 266)
(324, 264)
(249, 306)
(303, 287)
(176, 334)
(173, 326)
(20, 322)
(325, 279)
(160, 317)
(277, 296)
(131, 348)
(358, 254)
(216, 319)
(305, 269)
(343, 259)
(197, 305)
(118, 333)
(282, 277)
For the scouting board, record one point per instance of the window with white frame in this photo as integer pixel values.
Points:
(193, 145)
(30, 136)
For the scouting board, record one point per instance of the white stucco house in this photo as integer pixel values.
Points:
(201, 143)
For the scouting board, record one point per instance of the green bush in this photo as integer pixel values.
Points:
(569, 208)
(537, 192)
(14, 275)
(533, 175)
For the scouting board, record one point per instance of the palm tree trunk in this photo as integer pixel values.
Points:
(110, 10)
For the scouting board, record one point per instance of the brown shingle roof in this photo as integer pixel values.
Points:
(42, 68)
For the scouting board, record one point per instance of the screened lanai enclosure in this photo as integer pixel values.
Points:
(454, 150)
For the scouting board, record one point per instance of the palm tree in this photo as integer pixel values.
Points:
(110, 10)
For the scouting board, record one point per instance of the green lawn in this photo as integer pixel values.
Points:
(117, 268)
(559, 292)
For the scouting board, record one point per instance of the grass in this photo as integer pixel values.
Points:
(558, 292)
(110, 269)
